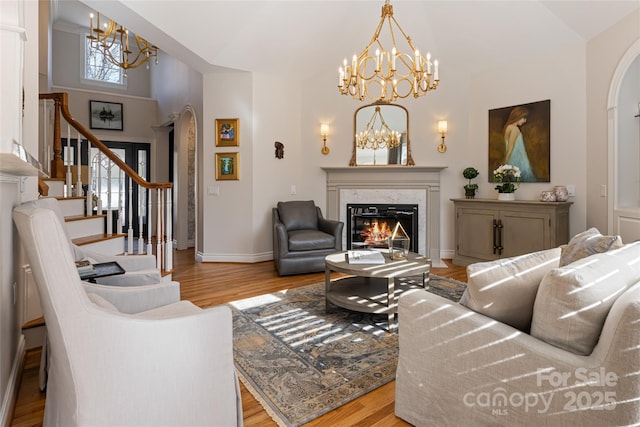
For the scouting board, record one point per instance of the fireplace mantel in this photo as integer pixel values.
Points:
(421, 180)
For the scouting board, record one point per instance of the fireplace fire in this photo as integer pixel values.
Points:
(370, 225)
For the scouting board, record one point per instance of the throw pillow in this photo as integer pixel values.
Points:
(573, 301)
(588, 243)
(505, 290)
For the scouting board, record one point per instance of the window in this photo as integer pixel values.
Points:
(98, 68)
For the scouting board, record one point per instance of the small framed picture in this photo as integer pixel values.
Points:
(105, 115)
(227, 166)
(227, 132)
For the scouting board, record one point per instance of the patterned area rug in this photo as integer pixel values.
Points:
(300, 362)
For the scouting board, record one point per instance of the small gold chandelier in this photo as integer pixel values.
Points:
(103, 39)
(389, 74)
(375, 138)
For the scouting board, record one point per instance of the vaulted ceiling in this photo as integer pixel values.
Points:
(301, 38)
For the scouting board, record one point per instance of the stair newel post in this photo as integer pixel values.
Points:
(149, 223)
(68, 161)
(57, 166)
(168, 232)
(141, 191)
(130, 229)
(79, 166)
(109, 210)
(159, 229)
(45, 127)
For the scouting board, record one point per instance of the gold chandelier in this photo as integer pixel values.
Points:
(103, 39)
(376, 137)
(390, 74)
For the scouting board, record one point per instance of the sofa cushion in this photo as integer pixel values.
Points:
(309, 240)
(573, 301)
(505, 290)
(588, 243)
(298, 215)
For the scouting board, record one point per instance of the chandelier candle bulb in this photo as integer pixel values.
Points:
(408, 75)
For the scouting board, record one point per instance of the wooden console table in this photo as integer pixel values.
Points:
(487, 229)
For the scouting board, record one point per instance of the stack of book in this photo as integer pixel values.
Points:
(365, 257)
(85, 268)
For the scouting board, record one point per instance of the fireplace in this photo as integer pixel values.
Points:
(370, 225)
(392, 185)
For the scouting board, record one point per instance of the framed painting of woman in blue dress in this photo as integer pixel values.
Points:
(520, 136)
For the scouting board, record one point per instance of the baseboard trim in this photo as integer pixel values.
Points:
(246, 258)
(11, 393)
(447, 254)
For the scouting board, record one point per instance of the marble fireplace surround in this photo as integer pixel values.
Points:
(390, 184)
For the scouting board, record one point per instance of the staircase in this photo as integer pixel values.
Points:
(153, 200)
(86, 221)
(88, 231)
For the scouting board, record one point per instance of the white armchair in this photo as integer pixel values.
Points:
(140, 269)
(172, 365)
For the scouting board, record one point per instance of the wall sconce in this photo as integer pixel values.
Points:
(324, 131)
(442, 128)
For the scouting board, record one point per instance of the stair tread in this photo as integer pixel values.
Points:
(71, 198)
(82, 217)
(34, 323)
(85, 240)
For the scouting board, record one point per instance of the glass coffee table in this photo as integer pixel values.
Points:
(372, 288)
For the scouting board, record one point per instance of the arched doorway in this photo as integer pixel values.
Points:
(184, 179)
(624, 147)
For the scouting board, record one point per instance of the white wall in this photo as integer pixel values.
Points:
(464, 101)
(603, 55)
(176, 86)
(277, 117)
(227, 226)
(628, 158)
(560, 77)
(18, 72)
(139, 114)
(68, 63)
(285, 112)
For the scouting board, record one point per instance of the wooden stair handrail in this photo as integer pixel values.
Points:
(61, 103)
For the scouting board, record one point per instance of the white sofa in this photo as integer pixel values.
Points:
(168, 366)
(575, 363)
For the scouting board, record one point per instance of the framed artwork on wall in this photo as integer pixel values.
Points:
(227, 167)
(520, 136)
(227, 132)
(105, 115)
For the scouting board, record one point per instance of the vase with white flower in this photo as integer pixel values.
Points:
(508, 179)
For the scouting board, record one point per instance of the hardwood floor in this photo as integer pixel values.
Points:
(208, 284)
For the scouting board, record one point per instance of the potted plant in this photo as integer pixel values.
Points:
(508, 178)
(470, 189)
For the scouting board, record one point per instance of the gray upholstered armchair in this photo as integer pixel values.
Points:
(302, 237)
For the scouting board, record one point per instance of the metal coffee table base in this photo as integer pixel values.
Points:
(374, 289)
